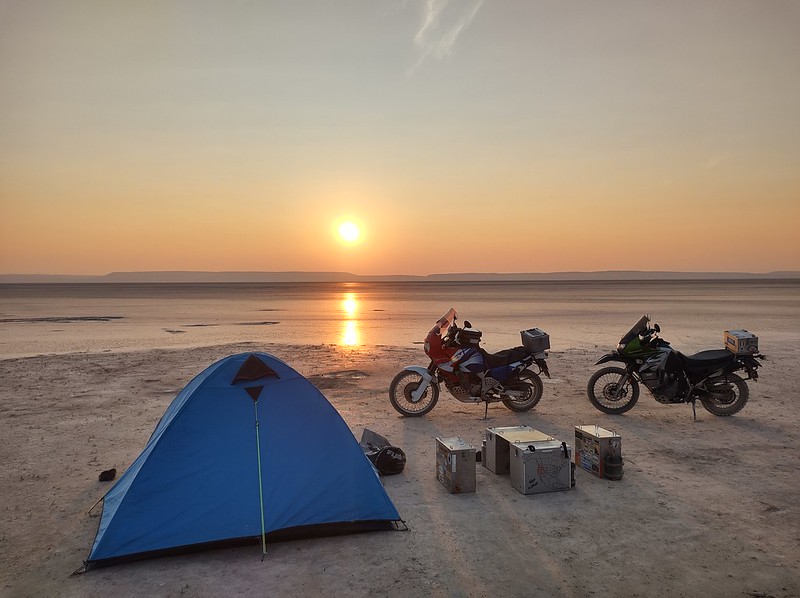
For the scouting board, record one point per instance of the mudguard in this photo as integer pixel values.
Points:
(418, 369)
(543, 366)
(426, 380)
(611, 357)
(750, 364)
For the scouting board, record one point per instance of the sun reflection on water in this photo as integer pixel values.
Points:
(349, 304)
(350, 335)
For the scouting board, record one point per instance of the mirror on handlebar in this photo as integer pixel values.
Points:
(656, 327)
(467, 324)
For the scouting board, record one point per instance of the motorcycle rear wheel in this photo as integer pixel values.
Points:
(728, 400)
(602, 391)
(532, 385)
(400, 391)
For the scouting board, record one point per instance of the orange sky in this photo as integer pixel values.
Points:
(461, 136)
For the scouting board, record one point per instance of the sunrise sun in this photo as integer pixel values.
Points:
(349, 232)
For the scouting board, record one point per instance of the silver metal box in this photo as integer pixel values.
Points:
(595, 448)
(535, 340)
(541, 466)
(741, 342)
(498, 441)
(455, 464)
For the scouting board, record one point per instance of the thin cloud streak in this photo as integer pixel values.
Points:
(442, 23)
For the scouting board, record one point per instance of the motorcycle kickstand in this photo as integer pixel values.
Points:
(694, 409)
(486, 410)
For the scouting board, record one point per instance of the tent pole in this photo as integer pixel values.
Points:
(89, 512)
(260, 486)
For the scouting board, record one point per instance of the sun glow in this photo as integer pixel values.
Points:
(349, 232)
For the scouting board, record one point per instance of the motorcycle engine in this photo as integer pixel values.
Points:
(669, 390)
(458, 392)
(661, 374)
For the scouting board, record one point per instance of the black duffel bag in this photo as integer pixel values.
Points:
(387, 459)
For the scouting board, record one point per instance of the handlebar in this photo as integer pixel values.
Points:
(648, 335)
(450, 336)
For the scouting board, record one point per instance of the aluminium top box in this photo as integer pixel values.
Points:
(541, 466)
(455, 464)
(740, 342)
(498, 441)
(593, 446)
(535, 340)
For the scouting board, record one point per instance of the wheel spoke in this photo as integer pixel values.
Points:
(401, 394)
(609, 391)
(613, 390)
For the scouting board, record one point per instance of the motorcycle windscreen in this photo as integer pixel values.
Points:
(444, 323)
(640, 326)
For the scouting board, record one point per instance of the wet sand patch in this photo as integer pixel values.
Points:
(337, 379)
(60, 319)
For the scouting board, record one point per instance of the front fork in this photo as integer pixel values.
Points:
(623, 381)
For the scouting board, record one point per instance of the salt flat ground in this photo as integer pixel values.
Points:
(706, 508)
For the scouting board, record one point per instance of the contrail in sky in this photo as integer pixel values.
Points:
(442, 23)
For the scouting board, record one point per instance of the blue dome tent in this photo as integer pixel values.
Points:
(248, 449)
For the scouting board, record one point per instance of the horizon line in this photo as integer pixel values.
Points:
(198, 276)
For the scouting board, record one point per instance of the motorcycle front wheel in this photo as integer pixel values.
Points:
(405, 383)
(726, 398)
(531, 385)
(605, 393)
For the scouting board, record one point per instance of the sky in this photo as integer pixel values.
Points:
(458, 135)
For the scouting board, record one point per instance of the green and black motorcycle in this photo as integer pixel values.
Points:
(670, 376)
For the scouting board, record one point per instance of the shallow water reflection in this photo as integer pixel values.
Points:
(63, 318)
(350, 304)
(350, 333)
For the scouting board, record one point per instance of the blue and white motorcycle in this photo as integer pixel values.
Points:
(471, 374)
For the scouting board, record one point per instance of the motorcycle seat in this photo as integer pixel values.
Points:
(704, 360)
(504, 357)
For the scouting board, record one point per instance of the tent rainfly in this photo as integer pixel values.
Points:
(248, 449)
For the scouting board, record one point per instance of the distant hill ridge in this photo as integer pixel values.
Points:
(297, 276)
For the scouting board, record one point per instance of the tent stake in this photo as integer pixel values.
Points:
(260, 487)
